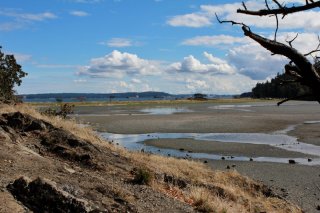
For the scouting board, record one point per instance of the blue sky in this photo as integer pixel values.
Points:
(141, 45)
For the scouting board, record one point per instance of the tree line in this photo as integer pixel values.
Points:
(279, 87)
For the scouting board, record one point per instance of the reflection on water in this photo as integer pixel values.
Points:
(311, 122)
(278, 139)
(239, 107)
(164, 111)
(146, 111)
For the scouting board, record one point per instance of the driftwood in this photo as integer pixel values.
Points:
(299, 67)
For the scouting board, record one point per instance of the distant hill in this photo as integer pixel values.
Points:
(95, 95)
(136, 96)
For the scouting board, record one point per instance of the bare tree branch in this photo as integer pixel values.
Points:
(292, 40)
(277, 3)
(276, 31)
(295, 98)
(281, 10)
(299, 67)
(315, 50)
(233, 23)
(244, 5)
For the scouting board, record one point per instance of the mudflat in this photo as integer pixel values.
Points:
(297, 183)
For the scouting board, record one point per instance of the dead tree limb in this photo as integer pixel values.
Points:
(280, 10)
(294, 98)
(299, 67)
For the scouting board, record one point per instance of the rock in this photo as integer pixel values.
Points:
(228, 167)
(25, 123)
(205, 161)
(292, 161)
(223, 158)
(41, 195)
(309, 159)
(318, 208)
(251, 159)
(233, 165)
(181, 149)
(175, 181)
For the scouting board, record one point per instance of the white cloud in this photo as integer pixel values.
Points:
(79, 13)
(22, 57)
(21, 20)
(136, 81)
(196, 85)
(28, 16)
(189, 20)
(118, 42)
(122, 86)
(118, 64)
(56, 66)
(87, 1)
(214, 40)
(80, 80)
(193, 65)
(205, 16)
(254, 61)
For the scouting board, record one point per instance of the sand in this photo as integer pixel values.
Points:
(225, 149)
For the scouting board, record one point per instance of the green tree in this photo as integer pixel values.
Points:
(10, 76)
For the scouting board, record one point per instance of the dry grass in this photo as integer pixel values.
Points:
(207, 191)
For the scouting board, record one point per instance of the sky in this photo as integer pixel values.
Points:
(174, 46)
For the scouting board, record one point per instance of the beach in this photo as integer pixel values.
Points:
(295, 182)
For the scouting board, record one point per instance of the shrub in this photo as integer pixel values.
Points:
(142, 176)
(64, 110)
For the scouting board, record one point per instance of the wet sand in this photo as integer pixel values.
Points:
(301, 183)
(225, 149)
(296, 183)
(202, 119)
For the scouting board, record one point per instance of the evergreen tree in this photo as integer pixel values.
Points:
(10, 75)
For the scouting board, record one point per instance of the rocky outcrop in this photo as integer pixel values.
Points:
(41, 195)
(54, 140)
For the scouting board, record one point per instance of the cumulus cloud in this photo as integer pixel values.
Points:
(79, 81)
(79, 13)
(214, 40)
(211, 84)
(196, 85)
(254, 61)
(118, 64)
(205, 16)
(136, 81)
(189, 20)
(193, 65)
(123, 86)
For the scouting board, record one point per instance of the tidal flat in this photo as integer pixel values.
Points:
(299, 182)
